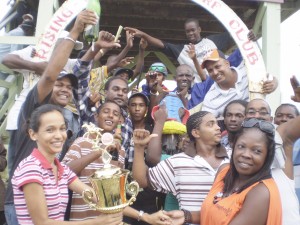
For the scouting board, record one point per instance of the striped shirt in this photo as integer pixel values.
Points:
(80, 148)
(216, 99)
(81, 97)
(36, 169)
(188, 178)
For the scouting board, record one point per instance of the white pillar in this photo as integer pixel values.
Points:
(45, 13)
(271, 48)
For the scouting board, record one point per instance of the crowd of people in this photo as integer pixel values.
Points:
(203, 153)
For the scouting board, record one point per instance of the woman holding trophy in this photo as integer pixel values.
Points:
(41, 182)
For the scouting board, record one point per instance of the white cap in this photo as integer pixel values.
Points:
(27, 17)
(78, 44)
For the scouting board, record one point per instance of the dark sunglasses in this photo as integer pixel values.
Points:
(264, 126)
(161, 69)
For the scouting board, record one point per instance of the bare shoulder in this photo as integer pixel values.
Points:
(260, 193)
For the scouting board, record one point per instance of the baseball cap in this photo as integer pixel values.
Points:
(120, 70)
(27, 17)
(72, 77)
(28, 24)
(78, 44)
(140, 94)
(214, 55)
(159, 67)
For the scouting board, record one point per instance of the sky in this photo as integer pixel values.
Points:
(290, 46)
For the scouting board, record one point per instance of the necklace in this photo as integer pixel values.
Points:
(220, 195)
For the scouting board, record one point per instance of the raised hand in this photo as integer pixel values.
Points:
(106, 40)
(251, 36)
(192, 52)
(142, 137)
(135, 32)
(143, 44)
(183, 93)
(126, 61)
(296, 87)
(84, 18)
(161, 115)
(270, 85)
(94, 98)
(151, 81)
(129, 39)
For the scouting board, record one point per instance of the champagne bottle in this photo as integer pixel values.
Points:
(91, 32)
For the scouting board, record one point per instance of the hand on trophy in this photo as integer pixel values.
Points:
(142, 137)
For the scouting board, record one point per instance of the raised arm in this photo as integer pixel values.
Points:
(105, 41)
(154, 149)
(290, 132)
(192, 54)
(129, 43)
(141, 139)
(270, 85)
(61, 54)
(151, 40)
(15, 62)
(140, 61)
(296, 88)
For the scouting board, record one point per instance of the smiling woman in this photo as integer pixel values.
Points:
(247, 182)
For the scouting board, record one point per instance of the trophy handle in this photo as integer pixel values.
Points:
(133, 190)
(87, 196)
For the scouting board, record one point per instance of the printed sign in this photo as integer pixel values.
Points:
(62, 17)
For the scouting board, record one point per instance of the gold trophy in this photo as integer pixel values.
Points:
(109, 183)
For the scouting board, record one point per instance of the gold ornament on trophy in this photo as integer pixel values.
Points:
(109, 183)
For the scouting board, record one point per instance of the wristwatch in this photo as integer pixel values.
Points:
(141, 213)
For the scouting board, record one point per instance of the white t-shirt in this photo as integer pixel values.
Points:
(28, 83)
(216, 99)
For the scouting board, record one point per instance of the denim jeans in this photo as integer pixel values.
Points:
(10, 214)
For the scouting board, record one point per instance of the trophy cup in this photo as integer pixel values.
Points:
(110, 182)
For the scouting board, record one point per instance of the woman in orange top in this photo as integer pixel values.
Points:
(244, 192)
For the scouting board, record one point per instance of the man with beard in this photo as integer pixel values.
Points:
(234, 115)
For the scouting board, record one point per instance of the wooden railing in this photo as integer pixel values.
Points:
(9, 88)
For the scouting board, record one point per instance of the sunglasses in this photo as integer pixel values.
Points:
(161, 69)
(264, 126)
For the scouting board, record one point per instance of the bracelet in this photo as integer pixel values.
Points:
(70, 39)
(101, 52)
(187, 216)
(141, 213)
